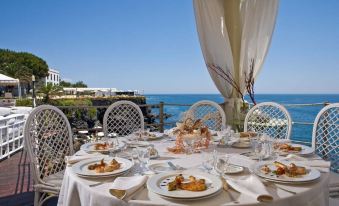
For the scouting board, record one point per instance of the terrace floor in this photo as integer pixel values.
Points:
(16, 185)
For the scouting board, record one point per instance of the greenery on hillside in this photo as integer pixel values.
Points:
(22, 65)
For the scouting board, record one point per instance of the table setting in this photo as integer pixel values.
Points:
(194, 166)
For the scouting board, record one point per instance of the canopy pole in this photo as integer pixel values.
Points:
(19, 90)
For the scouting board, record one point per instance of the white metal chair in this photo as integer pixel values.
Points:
(123, 118)
(325, 141)
(217, 115)
(270, 118)
(48, 139)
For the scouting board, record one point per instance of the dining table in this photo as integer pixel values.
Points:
(77, 190)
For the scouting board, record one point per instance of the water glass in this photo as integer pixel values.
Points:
(144, 156)
(113, 144)
(259, 149)
(207, 161)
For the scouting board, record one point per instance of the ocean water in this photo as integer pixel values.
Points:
(298, 114)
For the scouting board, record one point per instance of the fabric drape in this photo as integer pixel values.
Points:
(232, 33)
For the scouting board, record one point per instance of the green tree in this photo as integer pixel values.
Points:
(65, 84)
(79, 84)
(49, 90)
(22, 65)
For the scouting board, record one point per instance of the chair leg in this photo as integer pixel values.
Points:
(37, 196)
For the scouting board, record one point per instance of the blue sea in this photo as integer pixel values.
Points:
(298, 114)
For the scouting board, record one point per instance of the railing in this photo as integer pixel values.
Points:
(160, 122)
(11, 134)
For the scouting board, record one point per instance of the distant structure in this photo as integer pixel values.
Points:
(53, 77)
(99, 92)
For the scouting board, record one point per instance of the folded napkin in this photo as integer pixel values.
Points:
(251, 186)
(130, 184)
(321, 165)
(82, 155)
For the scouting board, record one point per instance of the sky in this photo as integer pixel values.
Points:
(153, 45)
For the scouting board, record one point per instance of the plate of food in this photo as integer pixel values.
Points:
(148, 136)
(102, 147)
(285, 172)
(288, 148)
(101, 167)
(184, 184)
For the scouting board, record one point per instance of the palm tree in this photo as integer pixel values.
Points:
(49, 90)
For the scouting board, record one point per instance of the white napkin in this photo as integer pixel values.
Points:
(321, 165)
(251, 186)
(81, 155)
(130, 184)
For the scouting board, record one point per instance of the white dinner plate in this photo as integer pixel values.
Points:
(160, 168)
(158, 185)
(241, 145)
(90, 147)
(81, 169)
(305, 150)
(312, 174)
(138, 144)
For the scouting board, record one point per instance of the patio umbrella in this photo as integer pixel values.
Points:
(232, 34)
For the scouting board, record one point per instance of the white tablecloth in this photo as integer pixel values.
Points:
(75, 190)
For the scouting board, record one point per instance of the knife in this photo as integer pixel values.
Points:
(172, 165)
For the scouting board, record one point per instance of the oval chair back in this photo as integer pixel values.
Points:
(325, 136)
(123, 118)
(211, 113)
(270, 118)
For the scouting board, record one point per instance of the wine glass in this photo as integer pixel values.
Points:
(221, 165)
(189, 145)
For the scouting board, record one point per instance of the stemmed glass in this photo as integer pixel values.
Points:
(189, 145)
(221, 165)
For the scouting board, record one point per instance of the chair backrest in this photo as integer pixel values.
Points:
(270, 118)
(123, 118)
(217, 115)
(48, 139)
(325, 137)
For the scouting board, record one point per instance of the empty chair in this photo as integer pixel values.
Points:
(48, 140)
(215, 118)
(123, 118)
(325, 141)
(270, 118)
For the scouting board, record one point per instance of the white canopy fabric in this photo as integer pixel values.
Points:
(8, 81)
(232, 33)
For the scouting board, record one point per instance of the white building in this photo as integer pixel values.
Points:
(53, 77)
